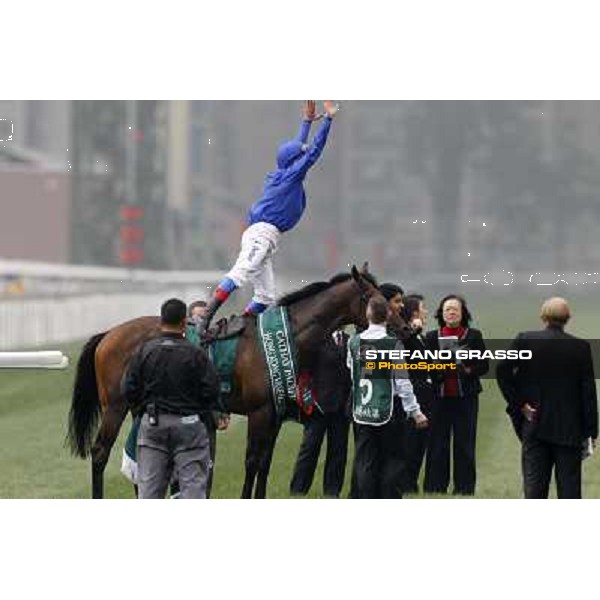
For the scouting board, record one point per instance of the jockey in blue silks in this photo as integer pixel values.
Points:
(279, 209)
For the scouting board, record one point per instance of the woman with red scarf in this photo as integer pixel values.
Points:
(455, 404)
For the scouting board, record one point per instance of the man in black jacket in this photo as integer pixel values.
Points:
(330, 387)
(177, 386)
(552, 403)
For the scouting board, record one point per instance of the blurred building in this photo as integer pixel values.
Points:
(140, 179)
(35, 226)
(118, 161)
(404, 185)
(34, 180)
(41, 126)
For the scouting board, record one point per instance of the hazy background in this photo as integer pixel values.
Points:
(405, 185)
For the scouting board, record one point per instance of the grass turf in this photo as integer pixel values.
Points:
(35, 463)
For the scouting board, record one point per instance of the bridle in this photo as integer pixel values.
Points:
(364, 295)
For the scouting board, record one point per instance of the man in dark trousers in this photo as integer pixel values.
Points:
(381, 401)
(415, 314)
(177, 386)
(394, 295)
(331, 389)
(215, 421)
(552, 403)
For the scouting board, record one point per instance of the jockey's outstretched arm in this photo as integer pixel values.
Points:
(309, 114)
(302, 136)
(300, 167)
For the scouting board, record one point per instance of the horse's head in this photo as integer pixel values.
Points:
(367, 287)
(321, 307)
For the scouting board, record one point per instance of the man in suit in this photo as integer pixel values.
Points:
(330, 387)
(552, 403)
(381, 402)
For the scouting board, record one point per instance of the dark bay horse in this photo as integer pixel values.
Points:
(314, 312)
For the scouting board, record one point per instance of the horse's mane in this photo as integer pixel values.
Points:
(318, 286)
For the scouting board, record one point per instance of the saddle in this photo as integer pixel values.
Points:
(220, 342)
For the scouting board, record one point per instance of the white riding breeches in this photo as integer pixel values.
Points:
(254, 263)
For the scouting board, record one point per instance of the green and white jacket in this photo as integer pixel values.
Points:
(373, 398)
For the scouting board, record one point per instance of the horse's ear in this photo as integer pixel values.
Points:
(358, 277)
(365, 267)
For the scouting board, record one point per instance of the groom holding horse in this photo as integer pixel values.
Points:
(278, 210)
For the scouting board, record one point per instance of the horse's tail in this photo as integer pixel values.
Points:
(85, 407)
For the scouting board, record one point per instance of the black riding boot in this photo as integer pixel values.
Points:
(212, 308)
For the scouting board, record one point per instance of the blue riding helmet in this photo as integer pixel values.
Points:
(288, 152)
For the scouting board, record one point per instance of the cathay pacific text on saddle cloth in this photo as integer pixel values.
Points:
(278, 348)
